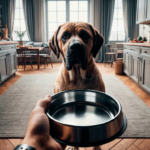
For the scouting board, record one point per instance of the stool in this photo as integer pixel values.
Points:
(120, 52)
(109, 53)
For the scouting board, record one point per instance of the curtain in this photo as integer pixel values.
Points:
(94, 14)
(8, 13)
(102, 18)
(106, 20)
(129, 16)
(11, 18)
(28, 8)
(40, 25)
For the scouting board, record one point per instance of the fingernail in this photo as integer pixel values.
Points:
(48, 96)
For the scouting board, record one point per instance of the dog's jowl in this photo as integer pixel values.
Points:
(78, 43)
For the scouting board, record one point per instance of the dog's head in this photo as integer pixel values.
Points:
(77, 43)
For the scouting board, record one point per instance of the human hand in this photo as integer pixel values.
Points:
(38, 130)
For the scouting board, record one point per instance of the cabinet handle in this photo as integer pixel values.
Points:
(140, 78)
(1, 48)
(139, 58)
(12, 47)
(145, 51)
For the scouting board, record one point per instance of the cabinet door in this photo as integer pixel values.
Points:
(8, 58)
(141, 11)
(3, 67)
(148, 10)
(126, 62)
(145, 78)
(135, 66)
(13, 62)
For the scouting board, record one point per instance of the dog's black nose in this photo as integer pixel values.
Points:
(75, 45)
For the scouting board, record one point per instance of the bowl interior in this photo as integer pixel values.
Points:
(83, 108)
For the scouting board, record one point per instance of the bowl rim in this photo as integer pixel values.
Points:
(86, 90)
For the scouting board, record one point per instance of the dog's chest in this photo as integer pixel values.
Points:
(80, 83)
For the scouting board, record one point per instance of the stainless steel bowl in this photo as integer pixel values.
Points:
(85, 118)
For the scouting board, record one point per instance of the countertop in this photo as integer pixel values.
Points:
(136, 44)
(7, 42)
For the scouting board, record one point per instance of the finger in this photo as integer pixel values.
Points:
(55, 144)
(44, 103)
(63, 146)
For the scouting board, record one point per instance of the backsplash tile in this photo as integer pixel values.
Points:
(143, 30)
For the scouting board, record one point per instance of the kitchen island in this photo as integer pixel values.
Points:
(8, 59)
(136, 61)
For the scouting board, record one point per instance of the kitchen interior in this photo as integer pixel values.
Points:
(136, 52)
(136, 65)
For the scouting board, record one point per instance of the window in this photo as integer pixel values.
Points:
(61, 11)
(78, 11)
(56, 15)
(117, 31)
(19, 22)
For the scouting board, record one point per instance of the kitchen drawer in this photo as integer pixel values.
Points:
(133, 48)
(126, 47)
(146, 51)
(7, 47)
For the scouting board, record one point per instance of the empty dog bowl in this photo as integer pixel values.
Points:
(85, 118)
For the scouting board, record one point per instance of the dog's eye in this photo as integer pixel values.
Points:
(65, 36)
(85, 36)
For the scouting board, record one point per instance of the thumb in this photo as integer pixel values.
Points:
(44, 103)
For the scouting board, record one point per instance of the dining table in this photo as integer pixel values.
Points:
(33, 49)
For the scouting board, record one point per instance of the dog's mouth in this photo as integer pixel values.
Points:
(77, 65)
(70, 63)
(76, 58)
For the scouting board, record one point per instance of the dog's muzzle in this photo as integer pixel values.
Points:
(76, 55)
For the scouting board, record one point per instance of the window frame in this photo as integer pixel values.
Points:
(20, 21)
(117, 24)
(67, 12)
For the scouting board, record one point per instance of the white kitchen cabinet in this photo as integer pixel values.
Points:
(8, 61)
(134, 66)
(126, 62)
(145, 69)
(143, 12)
(136, 61)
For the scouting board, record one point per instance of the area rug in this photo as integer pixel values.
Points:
(18, 101)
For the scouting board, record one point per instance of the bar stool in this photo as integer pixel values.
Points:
(119, 51)
(109, 53)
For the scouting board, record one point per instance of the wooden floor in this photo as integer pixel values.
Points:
(118, 144)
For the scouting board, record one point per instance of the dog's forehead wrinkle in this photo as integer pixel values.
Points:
(82, 24)
(75, 27)
(81, 29)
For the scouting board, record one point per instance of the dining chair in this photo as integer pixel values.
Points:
(22, 57)
(46, 57)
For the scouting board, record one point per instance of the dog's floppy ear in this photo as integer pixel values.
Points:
(53, 43)
(98, 41)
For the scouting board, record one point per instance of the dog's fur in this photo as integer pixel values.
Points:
(77, 77)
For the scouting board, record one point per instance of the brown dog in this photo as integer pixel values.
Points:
(78, 43)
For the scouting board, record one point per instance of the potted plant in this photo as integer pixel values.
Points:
(20, 34)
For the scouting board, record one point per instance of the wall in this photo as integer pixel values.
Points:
(5, 12)
(135, 35)
(143, 30)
